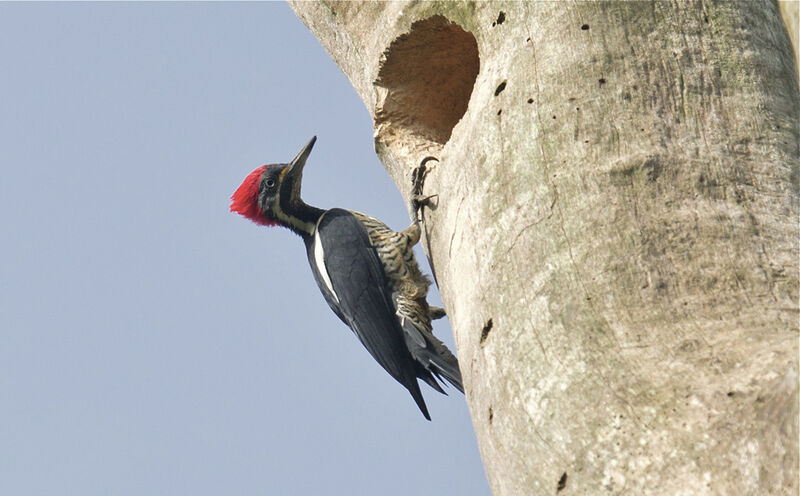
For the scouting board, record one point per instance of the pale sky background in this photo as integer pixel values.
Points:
(151, 342)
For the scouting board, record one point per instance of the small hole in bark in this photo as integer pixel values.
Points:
(425, 82)
(487, 327)
(562, 482)
(500, 88)
(499, 111)
(705, 18)
(730, 393)
(530, 100)
(528, 40)
(500, 18)
(554, 117)
(602, 81)
(585, 27)
(491, 415)
(653, 168)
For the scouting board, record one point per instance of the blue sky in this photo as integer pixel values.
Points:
(151, 342)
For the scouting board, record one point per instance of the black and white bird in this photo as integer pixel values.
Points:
(366, 272)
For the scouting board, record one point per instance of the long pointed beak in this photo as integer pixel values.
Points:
(299, 161)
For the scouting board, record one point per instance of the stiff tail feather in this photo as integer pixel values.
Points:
(433, 356)
(413, 388)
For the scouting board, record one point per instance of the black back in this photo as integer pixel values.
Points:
(360, 294)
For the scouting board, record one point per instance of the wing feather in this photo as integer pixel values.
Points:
(360, 296)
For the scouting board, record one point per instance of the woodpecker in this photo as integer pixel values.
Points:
(366, 272)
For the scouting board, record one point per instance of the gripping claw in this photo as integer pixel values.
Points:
(418, 201)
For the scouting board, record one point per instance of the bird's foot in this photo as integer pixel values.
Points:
(418, 200)
(436, 312)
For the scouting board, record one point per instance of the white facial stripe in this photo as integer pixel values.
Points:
(306, 227)
(319, 257)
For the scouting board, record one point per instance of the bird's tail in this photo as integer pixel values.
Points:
(433, 357)
(413, 388)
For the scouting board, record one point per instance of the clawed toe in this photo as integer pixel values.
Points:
(418, 200)
(436, 312)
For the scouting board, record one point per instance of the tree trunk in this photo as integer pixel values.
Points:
(615, 231)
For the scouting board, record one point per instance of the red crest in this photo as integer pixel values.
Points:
(244, 200)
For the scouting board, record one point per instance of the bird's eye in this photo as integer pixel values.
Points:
(270, 182)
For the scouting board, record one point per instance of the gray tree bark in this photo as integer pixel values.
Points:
(615, 235)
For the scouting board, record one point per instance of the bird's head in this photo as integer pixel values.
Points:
(270, 195)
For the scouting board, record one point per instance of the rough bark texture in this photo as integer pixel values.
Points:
(615, 233)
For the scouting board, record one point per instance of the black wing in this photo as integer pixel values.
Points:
(359, 294)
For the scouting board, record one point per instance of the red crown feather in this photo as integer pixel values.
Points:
(244, 200)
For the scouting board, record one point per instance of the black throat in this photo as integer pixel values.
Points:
(297, 215)
(291, 211)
